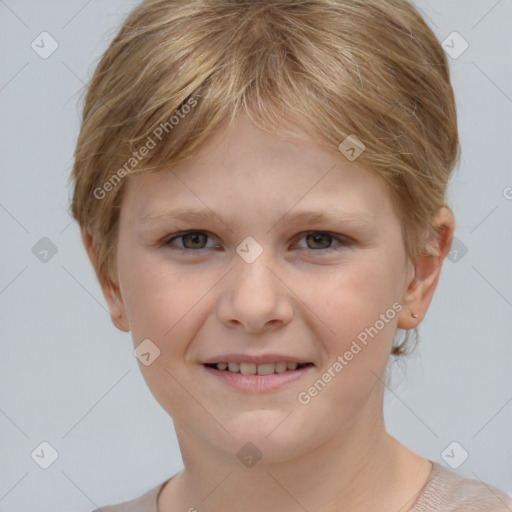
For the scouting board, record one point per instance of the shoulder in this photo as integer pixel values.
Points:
(448, 492)
(145, 503)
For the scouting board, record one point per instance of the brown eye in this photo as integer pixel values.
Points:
(191, 240)
(319, 240)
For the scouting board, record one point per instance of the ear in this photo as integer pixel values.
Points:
(110, 290)
(427, 269)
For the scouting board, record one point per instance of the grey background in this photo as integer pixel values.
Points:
(69, 377)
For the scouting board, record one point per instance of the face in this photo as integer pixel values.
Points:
(262, 251)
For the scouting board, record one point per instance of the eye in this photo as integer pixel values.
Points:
(192, 240)
(315, 240)
(322, 240)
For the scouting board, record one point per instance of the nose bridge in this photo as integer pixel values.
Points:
(252, 257)
(254, 296)
(253, 275)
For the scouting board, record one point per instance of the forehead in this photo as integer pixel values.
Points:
(244, 168)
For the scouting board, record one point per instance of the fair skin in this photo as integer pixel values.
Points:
(304, 297)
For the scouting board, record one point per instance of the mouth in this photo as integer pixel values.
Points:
(257, 377)
(258, 369)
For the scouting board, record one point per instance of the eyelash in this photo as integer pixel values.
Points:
(342, 240)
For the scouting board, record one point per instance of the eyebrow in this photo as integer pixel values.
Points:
(307, 217)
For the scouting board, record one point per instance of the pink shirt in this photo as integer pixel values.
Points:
(445, 491)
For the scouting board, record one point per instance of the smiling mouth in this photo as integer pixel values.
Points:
(258, 369)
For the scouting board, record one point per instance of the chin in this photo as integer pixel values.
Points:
(268, 434)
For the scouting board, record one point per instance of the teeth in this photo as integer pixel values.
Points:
(266, 369)
(260, 369)
(281, 367)
(248, 368)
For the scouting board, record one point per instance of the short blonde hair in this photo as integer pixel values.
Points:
(337, 68)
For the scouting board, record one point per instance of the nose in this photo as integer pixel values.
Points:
(254, 297)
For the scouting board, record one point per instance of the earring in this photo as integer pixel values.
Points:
(414, 315)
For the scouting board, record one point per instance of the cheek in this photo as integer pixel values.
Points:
(160, 304)
(355, 324)
(350, 299)
(159, 300)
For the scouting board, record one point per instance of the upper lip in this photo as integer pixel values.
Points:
(256, 359)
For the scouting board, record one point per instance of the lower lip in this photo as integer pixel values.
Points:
(258, 383)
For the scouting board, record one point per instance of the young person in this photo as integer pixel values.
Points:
(260, 187)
